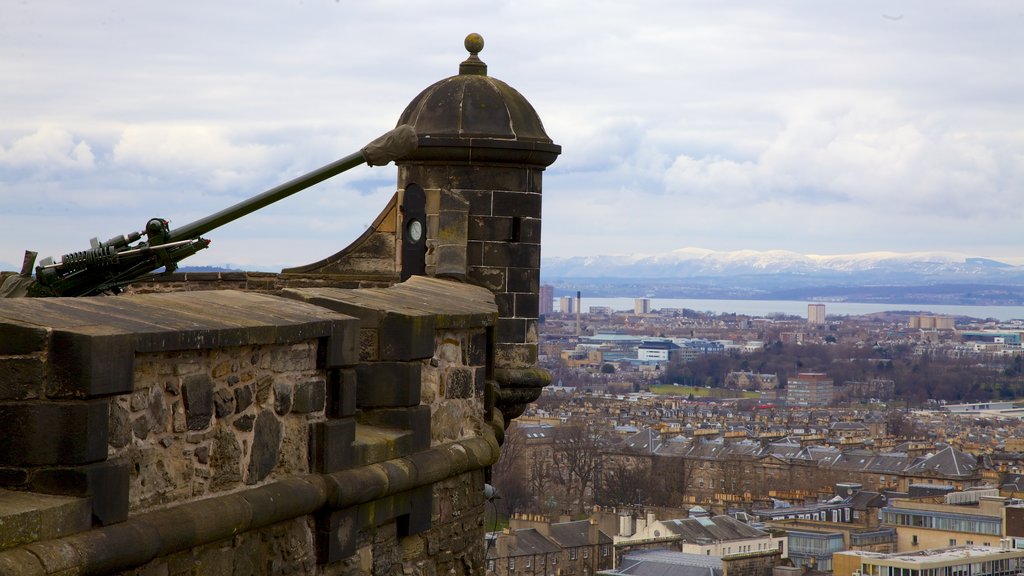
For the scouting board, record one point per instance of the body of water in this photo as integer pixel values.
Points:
(765, 308)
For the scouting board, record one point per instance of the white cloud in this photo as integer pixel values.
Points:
(48, 148)
(202, 150)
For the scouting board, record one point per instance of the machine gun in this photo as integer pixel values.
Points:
(106, 267)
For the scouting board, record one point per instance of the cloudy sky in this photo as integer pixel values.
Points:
(820, 127)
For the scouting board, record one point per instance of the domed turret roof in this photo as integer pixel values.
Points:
(483, 115)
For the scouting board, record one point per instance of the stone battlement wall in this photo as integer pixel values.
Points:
(322, 431)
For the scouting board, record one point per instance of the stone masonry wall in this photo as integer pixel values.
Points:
(206, 421)
(239, 433)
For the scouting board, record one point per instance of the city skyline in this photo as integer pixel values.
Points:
(816, 128)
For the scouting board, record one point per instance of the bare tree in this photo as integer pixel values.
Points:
(625, 480)
(575, 455)
(508, 474)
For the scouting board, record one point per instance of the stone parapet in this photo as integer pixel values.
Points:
(354, 420)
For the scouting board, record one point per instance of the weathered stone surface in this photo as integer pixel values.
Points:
(331, 447)
(266, 445)
(90, 365)
(507, 203)
(459, 382)
(341, 393)
(223, 403)
(18, 339)
(21, 377)
(224, 460)
(198, 395)
(309, 396)
(29, 438)
(283, 392)
(120, 426)
(388, 384)
(243, 398)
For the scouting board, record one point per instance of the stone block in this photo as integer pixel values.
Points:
(527, 305)
(337, 532)
(523, 204)
(474, 177)
(511, 330)
(420, 507)
(16, 339)
(515, 355)
(489, 228)
(341, 348)
(479, 201)
(88, 365)
(198, 395)
(53, 433)
(403, 337)
(266, 446)
(474, 253)
(309, 396)
(21, 377)
(506, 304)
(27, 517)
(341, 393)
(529, 230)
(477, 349)
(491, 278)
(458, 382)
(388, 384)
(331, 445)
(524, 280)
(511, 255)
(105, 483)
(452, 226)
(415, 419)
(368, 349)
(450, 261)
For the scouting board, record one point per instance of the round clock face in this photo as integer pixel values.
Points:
(414, 230)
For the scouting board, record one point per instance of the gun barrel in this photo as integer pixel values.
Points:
(204, 225)
(391, 146)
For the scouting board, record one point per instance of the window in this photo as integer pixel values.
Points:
(490, 565)
(586, 553)
(604, 551)
(952, 541)
(528, 562)
(572, 553)
(511, 563)
(913, 540)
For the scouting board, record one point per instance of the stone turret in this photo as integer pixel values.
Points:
(467, 208)
(479, 165)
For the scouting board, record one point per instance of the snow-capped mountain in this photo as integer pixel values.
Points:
(697, 262)
(779, 274)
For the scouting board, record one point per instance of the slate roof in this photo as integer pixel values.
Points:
(866, 499)
(645, 441)
(528, 542)
(717, 528)
(1012, 483)
(948, 462)
(575, 534)
(666, 563)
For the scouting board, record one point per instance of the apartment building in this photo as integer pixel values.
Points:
(949, 561)
(968, 518)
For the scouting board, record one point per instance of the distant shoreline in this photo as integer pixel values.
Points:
(768, 308)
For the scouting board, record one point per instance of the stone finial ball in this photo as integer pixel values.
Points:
(474, 43)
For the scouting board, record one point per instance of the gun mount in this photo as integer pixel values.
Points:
(106, 267)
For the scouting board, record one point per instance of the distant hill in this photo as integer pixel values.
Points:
(225, 268)
(747, 274)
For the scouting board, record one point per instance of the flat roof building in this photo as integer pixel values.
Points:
(957, 561)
